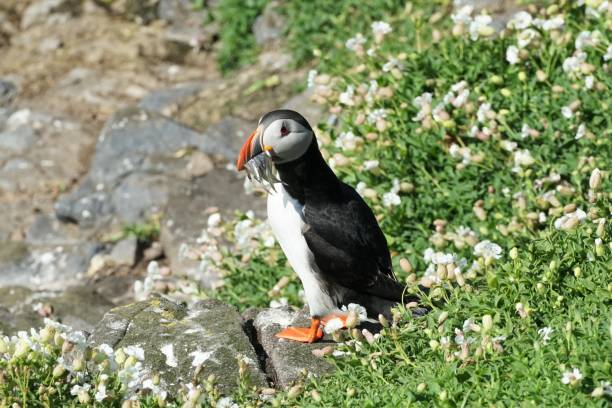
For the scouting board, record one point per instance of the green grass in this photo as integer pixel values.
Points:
(236, 18)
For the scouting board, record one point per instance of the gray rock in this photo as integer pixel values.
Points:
(48, 230)
(133, 169)
(22, 308)
(44, 267)
(185, 219)
(17, 140)
(185, 24)
(8, 90)
(125, 251)
(230, 134)
(208, 326)
(269, 26)
(39, 11)
(169, 100)
(286, 360)
(139, 196)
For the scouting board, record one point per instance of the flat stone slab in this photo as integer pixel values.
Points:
(287, 360)
(210, 327)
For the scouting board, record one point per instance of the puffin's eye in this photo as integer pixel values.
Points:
(284, 131)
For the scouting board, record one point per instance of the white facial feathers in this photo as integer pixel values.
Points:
(288, 139)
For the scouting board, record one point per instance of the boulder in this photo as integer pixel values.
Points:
(140, 156)
(168, 100)
(125, 252)
(22, 308)
(42, 266)
(186, 217)
(287, 360)
(210, 328)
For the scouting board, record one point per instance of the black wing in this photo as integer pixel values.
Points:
(348, 246)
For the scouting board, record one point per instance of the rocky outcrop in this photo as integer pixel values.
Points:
(177, 339)
(288, 361)
(137, 161)
(21, 308)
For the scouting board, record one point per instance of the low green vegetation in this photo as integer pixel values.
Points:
(238, 46)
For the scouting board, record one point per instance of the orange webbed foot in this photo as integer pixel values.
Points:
(303, 334)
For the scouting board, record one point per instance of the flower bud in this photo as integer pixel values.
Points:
(487, 323)
(350, 392)
(58, 339)
(405, 265)
(58, 371)
(383, 320)
(22, 349)
(514, 253)
(78, 364)
(294, 391)
(595, 179)
(352, 319)
(46, 334)
(598, 392)
(83, 397)
(434, 344)
(421, 387)
(315, 395)
(442, 318)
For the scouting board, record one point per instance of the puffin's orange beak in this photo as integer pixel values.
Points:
(249, 149)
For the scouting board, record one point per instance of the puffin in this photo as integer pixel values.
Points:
(328, 233)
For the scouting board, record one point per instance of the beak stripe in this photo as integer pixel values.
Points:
(246, 151)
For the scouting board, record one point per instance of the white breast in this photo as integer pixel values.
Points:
(286, 217)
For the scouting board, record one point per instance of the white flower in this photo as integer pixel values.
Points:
(525, 37)
(487, 249)
(520, 20)
(571, 377)
(312, 75)
(391, 199)
(580, 132)
(370, 164)
(100, 392)
(359, 310)
(461, 99)
(551, 24)
(346, 97)
(214, 220)
(380, 28)
(76, 389)
(168, 351)
(464, 15)
(589, 81)
(572, 64)
(508, 145)
(376, 114)
(360, 188)
(512, 55)
(281, 302)
(333, 325)
(438, 258)
(480, 26)
(77, 338)
(608, 55)
(355, 43)
(422, 100)
(523, 158)
(545, 333)
(526, 131)
(226, 402)
(566, 111)
(135, 351)
(483, 112)
(199, 357)
(577, 216)
(346, 141)
(392, 63)
(587, 39)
